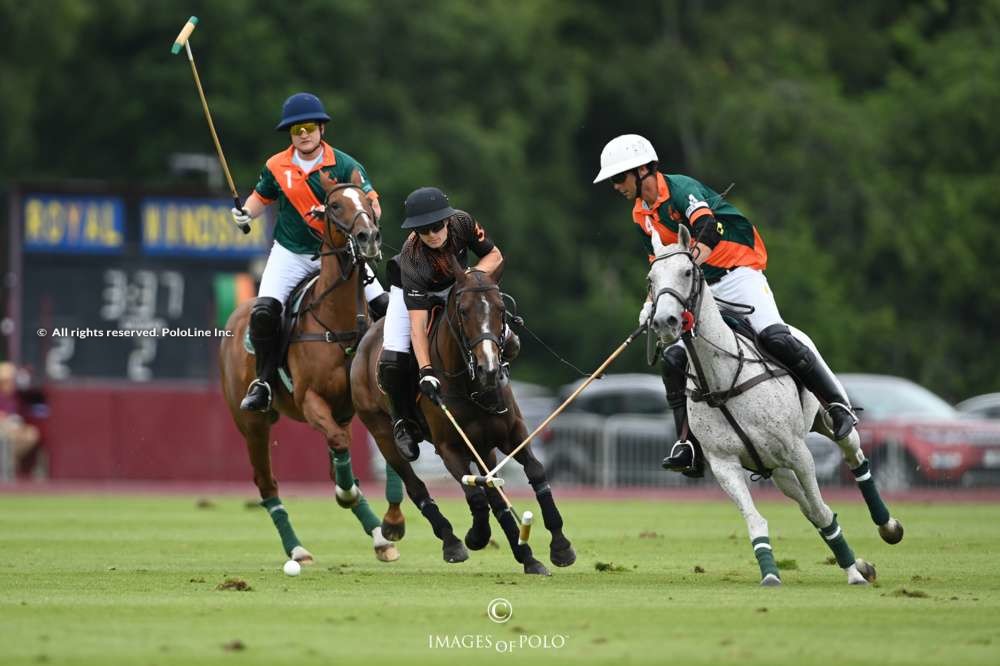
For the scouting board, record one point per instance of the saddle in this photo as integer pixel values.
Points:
(289, 318)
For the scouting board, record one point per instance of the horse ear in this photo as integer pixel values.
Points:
(326, 182)
(457, 270)
(657, 242)
(683, 236)
(356, 178)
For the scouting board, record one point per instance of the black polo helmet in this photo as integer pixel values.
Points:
(425, 206)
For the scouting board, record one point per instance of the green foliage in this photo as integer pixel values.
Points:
(860, 137)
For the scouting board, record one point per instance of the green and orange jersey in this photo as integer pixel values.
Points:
(296, 192)
(684, 200)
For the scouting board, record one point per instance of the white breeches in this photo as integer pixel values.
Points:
(285, 269)
(396, 335)
(749, 286)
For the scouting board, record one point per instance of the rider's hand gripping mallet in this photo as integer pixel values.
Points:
(495, 483)
(183, 41)
(571, 398)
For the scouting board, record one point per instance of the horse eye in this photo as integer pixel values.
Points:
(687, 273)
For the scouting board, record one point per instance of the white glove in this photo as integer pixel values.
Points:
(647, 310)
(240, 217)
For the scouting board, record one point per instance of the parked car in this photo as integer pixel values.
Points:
(914, 436)
(620, 428)
(985, 406)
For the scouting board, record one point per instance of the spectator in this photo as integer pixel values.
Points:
(19, 435)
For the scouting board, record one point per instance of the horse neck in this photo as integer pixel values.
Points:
(338, 308)
(715, 344)
(447, 347)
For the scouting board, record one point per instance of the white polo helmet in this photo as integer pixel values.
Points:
(625, 152)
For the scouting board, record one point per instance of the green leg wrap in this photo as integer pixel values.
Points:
(341, 461)
(366, 516)
(280, 518)
(393, 485)
(834, 538)
(765, 558)
(866, 484)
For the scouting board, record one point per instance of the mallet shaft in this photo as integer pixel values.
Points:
(568, 400)
(488, 481)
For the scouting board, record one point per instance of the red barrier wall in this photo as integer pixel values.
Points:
(135, 431)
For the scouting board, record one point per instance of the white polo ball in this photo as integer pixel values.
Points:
(292, 568)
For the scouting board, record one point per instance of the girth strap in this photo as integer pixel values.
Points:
(762, 470)
(717, 398)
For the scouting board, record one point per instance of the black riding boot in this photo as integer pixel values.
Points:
(813, 374)
(265, 334)
(378, 306)
(685, 455)
(395, 378)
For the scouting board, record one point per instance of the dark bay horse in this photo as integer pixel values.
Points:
(333, 317)
(466, 351)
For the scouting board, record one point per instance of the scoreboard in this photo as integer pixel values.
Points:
(125, 284)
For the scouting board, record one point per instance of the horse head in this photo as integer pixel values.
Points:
(676, 285)
(349, 217)
(476, 318)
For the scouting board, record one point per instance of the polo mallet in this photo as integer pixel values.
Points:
(597, 373)
(183, 39)
(487, 482)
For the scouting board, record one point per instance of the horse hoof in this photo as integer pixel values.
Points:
(563, 557)
(387, 553)
(770, 580)
(891, 532)
(535, 567)
(301, 555)
(348, 499)
(476, 541)
(393, 531)
(455, 552)
(867, 571)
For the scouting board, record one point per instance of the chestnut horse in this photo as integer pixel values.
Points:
(466, 351)
(333, 316)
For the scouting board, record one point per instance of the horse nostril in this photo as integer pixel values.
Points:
(363, 236)
(672, 321)
(378, 236)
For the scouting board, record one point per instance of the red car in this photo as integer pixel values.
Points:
(913, 436)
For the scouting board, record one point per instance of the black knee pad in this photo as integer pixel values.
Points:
(673, 370)
(265, 317)
(778, 340)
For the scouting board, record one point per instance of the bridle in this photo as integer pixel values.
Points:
(466, 346)
(350, 260)
(691, 303)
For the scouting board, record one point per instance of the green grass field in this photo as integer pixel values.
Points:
(116, 580)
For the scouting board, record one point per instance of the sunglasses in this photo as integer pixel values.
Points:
(431, 228)
(619, 178)
(304, 128)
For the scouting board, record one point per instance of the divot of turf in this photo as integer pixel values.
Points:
(788, 565)
(235, 645)
(699, 569)
(913, 594)
(609, 566)
(649, 535)
(235, 584)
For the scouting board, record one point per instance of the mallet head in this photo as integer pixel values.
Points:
(184, 34)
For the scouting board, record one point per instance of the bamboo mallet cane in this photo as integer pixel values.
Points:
(183, 40)
(568, 400)
(495, 483)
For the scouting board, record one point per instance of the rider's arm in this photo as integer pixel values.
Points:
(255, 205)
(491, 261)
(418, 336)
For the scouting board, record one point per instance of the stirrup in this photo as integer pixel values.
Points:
(681, 458)
(247, 406)
(828, 418)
